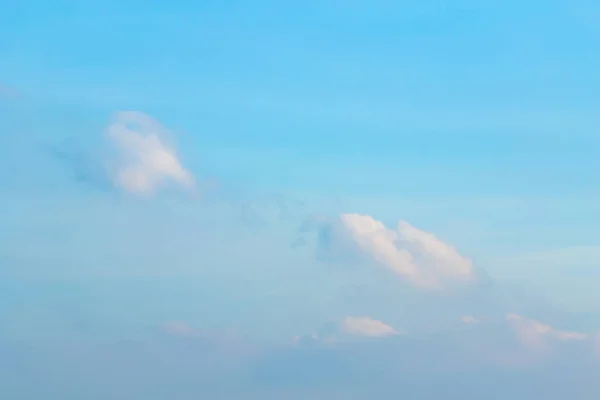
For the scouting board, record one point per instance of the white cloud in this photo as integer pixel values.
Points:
(299, 339)
(145, 162)
(469, 320)
(366, 327)
(418, 256)
(535, 334)
(345, 329)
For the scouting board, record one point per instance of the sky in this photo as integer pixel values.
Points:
(313, 200)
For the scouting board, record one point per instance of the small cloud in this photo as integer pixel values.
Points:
(305, 340)
(469, 320)
(145, 162)
(566, 336)
(348, 327)
(418, 256)
(535, 334)
(366, 327)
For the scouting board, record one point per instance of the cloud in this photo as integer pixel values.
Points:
(509, 341)
(366, 327)
(145, 162)
(344, 330)
(469, 320)
(460, 364)
(539, 336)
(419, 257)
(487, 361)
(514, 341)
(310, 340)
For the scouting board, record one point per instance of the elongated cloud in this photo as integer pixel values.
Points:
(145, 162)
(469, 320)
(535, 334)
(419, 257)
(347, 329)
(366, 327)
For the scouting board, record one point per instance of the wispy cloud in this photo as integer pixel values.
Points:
(366, 327)
(469, 320)
(145, 162)
(535, 334)
(347, 329)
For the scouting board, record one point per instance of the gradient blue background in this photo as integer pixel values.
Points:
(476, 120)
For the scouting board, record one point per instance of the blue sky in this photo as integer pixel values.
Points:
(242, 167)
